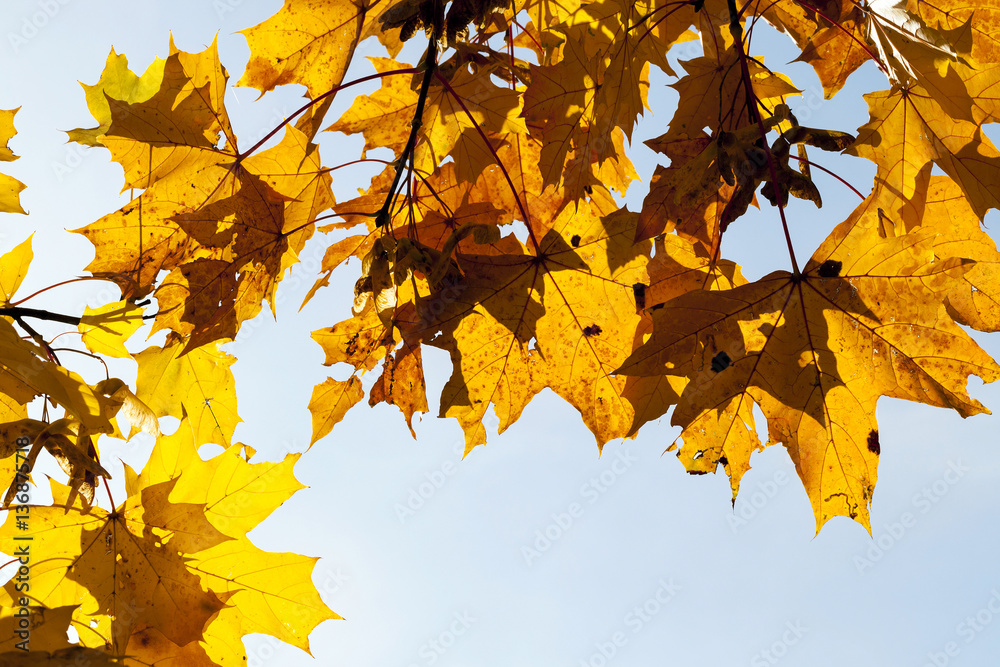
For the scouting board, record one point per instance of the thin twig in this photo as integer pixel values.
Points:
(37, 337)
(736, 29)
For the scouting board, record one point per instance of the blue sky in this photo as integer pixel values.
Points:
(534, 550)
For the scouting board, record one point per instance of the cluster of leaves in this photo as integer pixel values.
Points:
(169, 576)
(496, 234)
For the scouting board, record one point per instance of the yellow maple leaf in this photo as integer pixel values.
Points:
(237, 495)
(678, 267)
(908, 131)
(847, 322)
(266, 592)
(576, 295)
(468, 100)
(173, 135)
(117, 84)
(595, 86)
(197, 384)
(330, 401)
(909, 49)
(127, 566)
(225, 226)
(948, 15)
(156, 556)
(713, 93)
(14, 267)
(308, 42)
(38, 629)
(360, 341)
(560, 102)
(689, 195)
(270, 593)
(944, 211)
(105, 329)
(10, 188)
(26, 371)
(837, 51)
(402, 384)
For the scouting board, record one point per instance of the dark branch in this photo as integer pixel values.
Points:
(430, 65)
(17, 312)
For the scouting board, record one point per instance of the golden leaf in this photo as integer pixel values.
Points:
(10, 188)
(847, 323)
(198, 385)
(106, 329)
(14, 267)
(330, 402)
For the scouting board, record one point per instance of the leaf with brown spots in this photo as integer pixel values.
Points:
(849, 322)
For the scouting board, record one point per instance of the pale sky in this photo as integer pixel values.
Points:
(533, 551)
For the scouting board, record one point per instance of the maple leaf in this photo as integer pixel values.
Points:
(837, 51)
(850, 322)
(10, 188)
(26, 371)
(689, 195)
(678, 267)
(104, 330)
(402, 384)
(594, 86)
(117, 84)
(14, 267)
(330, 402)
(713, 94)
(45, 629)
(360, 341)
(938, 60)
(908, 131)
(266, 592)
(906, 45)
(566, 102)
(173, 134)
(162, 543)
(127, 565)
(946, 212)
(310, 43)
(226, 227)
(461, 101)
(237, 495)
(574, 296)
(198, 385)
(947, 16)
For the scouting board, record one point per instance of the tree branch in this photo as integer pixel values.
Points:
(430, 66)
(18, 312)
